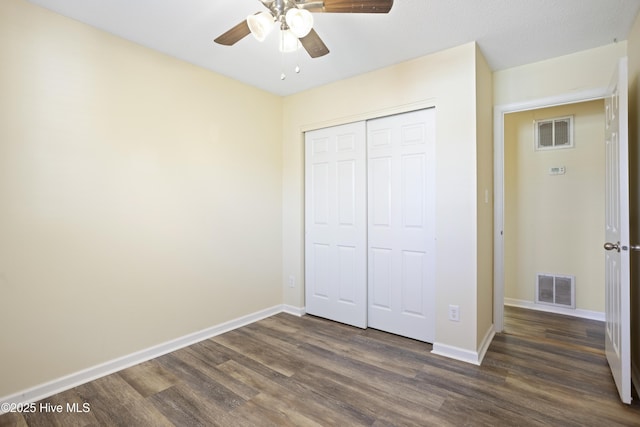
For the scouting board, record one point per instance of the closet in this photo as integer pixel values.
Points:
(370, 224)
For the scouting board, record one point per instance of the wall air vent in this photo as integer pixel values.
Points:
(553, 133)
(556, 290)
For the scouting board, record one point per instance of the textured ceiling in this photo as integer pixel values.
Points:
(509, 33)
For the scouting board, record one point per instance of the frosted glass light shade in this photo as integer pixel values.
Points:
(260, 25)
(300, 21)
(288, 41)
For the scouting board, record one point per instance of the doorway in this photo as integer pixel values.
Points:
(554, 209)
(500, 111)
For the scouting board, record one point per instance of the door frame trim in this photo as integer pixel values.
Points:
(499, 112)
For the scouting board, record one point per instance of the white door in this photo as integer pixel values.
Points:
(336, 224)
(401, 224)
(617, 298)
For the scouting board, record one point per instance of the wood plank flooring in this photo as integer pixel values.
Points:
(546, 370)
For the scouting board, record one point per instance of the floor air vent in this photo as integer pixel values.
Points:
(556, 290)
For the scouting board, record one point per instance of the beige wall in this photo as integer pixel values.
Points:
(576, 73)
(634, 190)
(554, 224)
(447, 81)
(484, 132)
(137, 206)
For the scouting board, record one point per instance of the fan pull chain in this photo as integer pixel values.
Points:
(283, 66)
(282, 74)
(297, 69)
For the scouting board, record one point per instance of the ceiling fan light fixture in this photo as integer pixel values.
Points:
(300, 21)
(260, 25)
(288, 41)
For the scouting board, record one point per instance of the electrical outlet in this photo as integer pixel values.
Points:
(292, 281)
(454, 313)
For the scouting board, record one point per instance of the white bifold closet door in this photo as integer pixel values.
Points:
(370, 224)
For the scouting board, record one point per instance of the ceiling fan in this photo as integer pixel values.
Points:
(296, 22)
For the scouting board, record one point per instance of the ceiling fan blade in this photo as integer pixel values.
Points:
(314, 45)
(346, 6)
(234, 35)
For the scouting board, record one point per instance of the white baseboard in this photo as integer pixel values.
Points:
(473, 357)
(59, 385)
(486, 342)
(585, 314)
(296, 311)
(456, 353)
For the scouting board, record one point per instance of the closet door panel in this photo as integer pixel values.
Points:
(335, 224)
(401, 224)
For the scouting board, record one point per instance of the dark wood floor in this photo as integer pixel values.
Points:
(546, 370)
